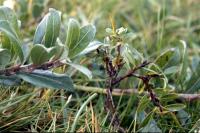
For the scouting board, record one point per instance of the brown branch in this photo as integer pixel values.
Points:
(131, 72)
(189, 97)
(112, 73)
(130, 92)
(31, 67)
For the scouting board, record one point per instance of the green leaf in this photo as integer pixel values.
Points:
(175, 60)
(40, 31)
(6, 44)
(171, 70)
(73, 33)
(152, 127)
(91, 47)
(37, 10)
(9, 15)
(38, 6)
(9, 80)
(82, 69)
(52, 28)
(23, 9)
(47, 79)
(143, 104)
(48, 29)
(57, 51)
(7, 29)
(87, 34)
(184, 117)
(164, 58)
(168, 97)
(194, 82)
(131, 55)
(195, 64)
(39, 54)
(5, 57)
(175, 107)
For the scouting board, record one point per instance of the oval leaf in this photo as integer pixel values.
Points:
(9, 80)
(57, 51)
(47, 79)
(82, 69)
(151, 127)
(40, 31)
(9, 15)
(91, 47)
(37, 7)
(5, 57)
(164, 58)
(52, 28)
(73, 33)
(168, 97)
(171, 70)
(7, 29)
(87, 34)
(48, 29)
(39, 54)
(175, 107)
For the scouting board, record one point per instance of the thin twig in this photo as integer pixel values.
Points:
(131, 72)
(133, 91)
(31, 67)
(112, 72)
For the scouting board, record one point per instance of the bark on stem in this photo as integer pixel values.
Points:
(31, 67)
(129, 92)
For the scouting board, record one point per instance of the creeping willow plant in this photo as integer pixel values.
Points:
(33, 63)
(122, 63)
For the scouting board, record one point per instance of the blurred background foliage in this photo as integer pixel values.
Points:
(156, 26)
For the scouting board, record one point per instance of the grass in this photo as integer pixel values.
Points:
(156, 24)
(42, 110)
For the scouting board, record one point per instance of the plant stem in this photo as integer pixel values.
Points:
(129, 92)
(131, 72)
(28, 68)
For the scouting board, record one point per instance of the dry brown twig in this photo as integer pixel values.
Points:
(133, 91)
